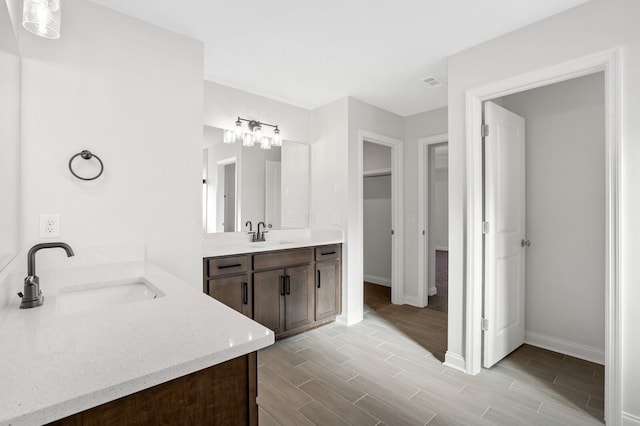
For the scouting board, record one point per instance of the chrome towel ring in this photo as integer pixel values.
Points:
(86, 155)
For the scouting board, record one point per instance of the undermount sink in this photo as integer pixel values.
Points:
(101, 295)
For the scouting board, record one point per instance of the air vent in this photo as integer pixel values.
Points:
(433, 81)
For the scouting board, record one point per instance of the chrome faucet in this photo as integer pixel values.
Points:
(260, 235)
(32, 296)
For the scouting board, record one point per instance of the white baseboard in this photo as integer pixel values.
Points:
(348, 320)
(413, 301)
(432, 291)
(630, 419)
(454, 361)
(378, 280)
(588, 353)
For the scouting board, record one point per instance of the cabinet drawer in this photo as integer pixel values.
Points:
(228, 265)
(281, 259)
(328, 252)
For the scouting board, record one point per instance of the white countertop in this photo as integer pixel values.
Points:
(53, 365)
(225, 244)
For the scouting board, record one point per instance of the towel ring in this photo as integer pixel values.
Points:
(86, 155)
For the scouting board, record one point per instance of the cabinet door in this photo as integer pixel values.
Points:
(268, 300)
(299, 299)
(327, 289)
(234, 291)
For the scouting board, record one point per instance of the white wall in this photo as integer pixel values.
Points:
(296, 175)
(223, 105)
(376, 157)
(131, 93)
(565, 206)
(417, 126)
(9, 139)
(590, 28)
(377, 215)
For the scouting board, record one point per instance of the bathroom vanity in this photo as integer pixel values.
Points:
(124, 342)
(288, 290)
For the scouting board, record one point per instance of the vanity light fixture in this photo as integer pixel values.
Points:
(255, 134)
(42, 18)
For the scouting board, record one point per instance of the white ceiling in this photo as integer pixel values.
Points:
(311, 52)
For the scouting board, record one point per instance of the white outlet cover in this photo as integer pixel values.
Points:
(335, 218)
(49, 225)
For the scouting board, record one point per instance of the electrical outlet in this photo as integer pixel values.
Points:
(335, 218)
(49, 225)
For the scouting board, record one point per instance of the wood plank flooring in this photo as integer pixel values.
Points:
(388, 370)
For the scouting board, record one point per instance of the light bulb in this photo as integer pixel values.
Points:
(247, 139)
(265, 143)
(229, 136)
(277, 138)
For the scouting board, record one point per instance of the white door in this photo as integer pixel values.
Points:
(272, 194)
(504, 206)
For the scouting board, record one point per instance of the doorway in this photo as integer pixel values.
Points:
(433, 194)
(395, 233)
(609, 63)
(227, 196)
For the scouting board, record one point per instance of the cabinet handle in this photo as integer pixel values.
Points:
(318, 278)
(230, 266)
(245, 293)
(288, 281)
(327, 254)
(282, 279)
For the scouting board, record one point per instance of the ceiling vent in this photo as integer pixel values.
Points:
(433, 81)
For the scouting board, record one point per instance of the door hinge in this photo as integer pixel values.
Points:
(393, 232)
(485, 130)
(485, 324)
(485, 227)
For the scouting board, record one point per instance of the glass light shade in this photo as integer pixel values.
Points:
(247, 139)
(39, 18)
(238, 130)
(265, 143)
(229, 136)
(277, 138)
(257, 132)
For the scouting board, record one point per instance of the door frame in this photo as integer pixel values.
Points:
(423, 211)
(608, 61)
(397, 222)
(220, 192)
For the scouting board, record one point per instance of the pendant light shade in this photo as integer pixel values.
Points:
(42, 18)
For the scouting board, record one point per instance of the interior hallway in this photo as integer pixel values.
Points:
(387, 369)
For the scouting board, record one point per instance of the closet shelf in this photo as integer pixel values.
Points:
(376, 172)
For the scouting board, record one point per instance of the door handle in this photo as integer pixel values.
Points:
(282, 279)
(288, 284)
(524, 243)
(245, 293)
(318, 278)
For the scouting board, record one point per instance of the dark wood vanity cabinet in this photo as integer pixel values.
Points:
(328, 275)
(226, 282)
(234, 291)
(283, 298)
(287, 291)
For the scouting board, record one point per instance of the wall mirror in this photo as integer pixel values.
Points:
(9, 139)
(241, 184)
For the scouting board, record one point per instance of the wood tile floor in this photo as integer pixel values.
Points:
(387, 370)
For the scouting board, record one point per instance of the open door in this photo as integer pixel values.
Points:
(504, 212)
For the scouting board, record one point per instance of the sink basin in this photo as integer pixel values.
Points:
(101, 295)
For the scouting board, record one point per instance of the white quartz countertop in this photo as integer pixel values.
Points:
(55, 364)
(240, 243)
